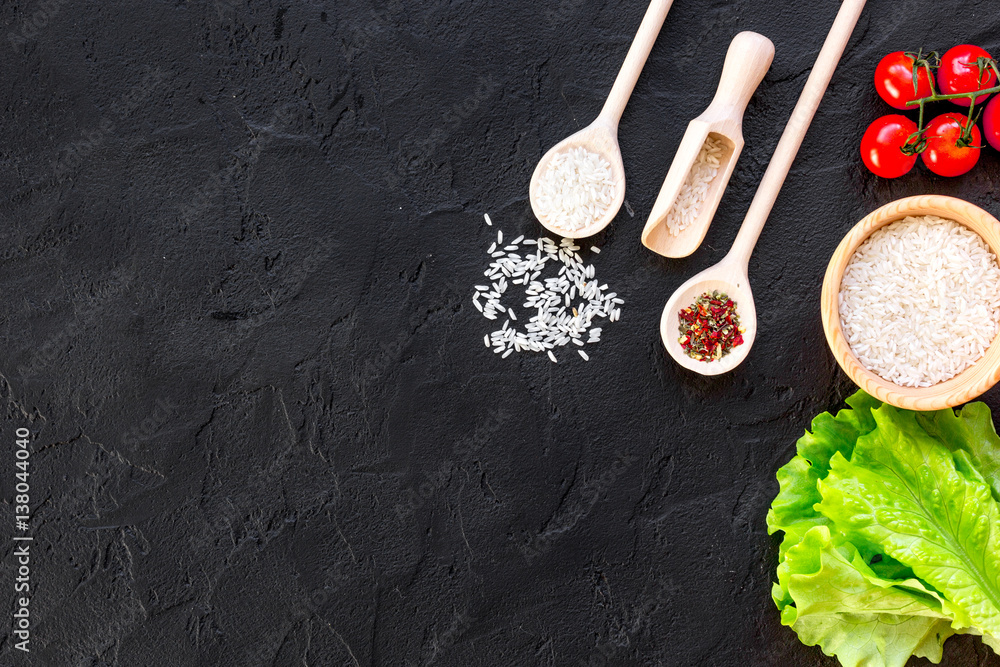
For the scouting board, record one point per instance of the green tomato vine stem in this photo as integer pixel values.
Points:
(917, 142)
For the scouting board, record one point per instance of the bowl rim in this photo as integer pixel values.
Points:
(960, 389)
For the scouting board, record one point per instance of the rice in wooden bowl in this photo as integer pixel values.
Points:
(922, 306)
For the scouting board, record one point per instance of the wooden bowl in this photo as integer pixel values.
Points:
(965, 386)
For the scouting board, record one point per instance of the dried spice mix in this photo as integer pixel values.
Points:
(710, 327)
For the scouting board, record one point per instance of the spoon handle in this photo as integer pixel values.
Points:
(747, 61)
(795, 130)
(636, 58)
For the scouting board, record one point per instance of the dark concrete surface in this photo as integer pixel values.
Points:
(239, 239)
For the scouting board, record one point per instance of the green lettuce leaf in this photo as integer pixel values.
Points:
(792, 510)
(903, 490)
(891, 524)
(971, 430)
(842, 606)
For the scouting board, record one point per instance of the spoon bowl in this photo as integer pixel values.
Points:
(747, 61)
(598, 137)
(601, 136)
(730, 275)
(656, 235)
(727, 277)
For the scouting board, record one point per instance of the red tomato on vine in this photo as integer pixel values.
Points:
(881, 146)
(991, 122)
(894, 80)
(959, 72)
(945, 155)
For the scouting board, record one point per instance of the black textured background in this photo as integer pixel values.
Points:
(238, 245)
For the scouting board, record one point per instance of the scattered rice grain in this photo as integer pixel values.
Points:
(554, 320)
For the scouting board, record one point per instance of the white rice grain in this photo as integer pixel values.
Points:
(555, 320)
(687, 206)
(918, 301)
(575, 190)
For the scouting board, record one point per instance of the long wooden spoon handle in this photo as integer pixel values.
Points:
(636, 58)
(795, 130)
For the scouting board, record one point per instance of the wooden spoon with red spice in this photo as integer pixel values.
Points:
(730, 275)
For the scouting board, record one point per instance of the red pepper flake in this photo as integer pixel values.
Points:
(710, 327)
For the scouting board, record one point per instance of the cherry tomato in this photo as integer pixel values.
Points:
(881, 144)
(894, 80)
(991, 122)
(959, 73)
(942, 155)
